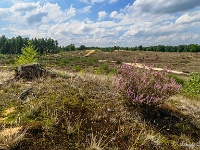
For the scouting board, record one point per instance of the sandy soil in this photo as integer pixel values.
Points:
(89, 53)
(153, 68)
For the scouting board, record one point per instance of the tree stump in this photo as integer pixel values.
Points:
(32, 71)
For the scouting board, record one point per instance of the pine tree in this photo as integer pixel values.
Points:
(29, 55)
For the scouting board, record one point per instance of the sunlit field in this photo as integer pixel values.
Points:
(82, 108)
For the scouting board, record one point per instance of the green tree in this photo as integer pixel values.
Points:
(194, 48)
(71, 47)
(82, 47)
(29, 55)
(140, 47)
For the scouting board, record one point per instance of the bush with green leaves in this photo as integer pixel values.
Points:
(29, 55)
(146, 87)
(104, 68)
(192, 86)
(77, 68)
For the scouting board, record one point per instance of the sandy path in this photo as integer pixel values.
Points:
(139, 65)
(154, 68)
(89, 53)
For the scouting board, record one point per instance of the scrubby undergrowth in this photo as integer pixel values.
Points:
(84, 111)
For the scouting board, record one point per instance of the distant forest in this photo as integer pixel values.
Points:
(48, 45)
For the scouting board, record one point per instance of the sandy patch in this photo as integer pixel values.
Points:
(89, 52)
(6, 75)
(153, 68)
(10, 131)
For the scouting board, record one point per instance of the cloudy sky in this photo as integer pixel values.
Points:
(103, 22)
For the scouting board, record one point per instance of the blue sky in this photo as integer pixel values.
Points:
(103, 22)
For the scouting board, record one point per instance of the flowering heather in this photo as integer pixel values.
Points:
(142, 86)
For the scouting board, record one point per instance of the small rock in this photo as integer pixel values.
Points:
(110, 110)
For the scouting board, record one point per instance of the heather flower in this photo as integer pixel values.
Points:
(142, 86)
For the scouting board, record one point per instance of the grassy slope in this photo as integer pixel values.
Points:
(84, 111)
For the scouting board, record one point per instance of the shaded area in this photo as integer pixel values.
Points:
(170, 123)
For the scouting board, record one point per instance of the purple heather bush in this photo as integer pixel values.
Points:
(145, 86)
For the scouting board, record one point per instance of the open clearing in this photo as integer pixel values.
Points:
(172, 60)
(81, 109)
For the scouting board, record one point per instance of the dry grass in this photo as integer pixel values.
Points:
(184, 61)
(6, 75)
(84, 111)
(188, 107)
(76, 108)
(10, 131)
(9, 137)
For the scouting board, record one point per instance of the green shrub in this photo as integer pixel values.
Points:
(177, 79)
(62, 62)
(102, 69)
(29, 55)
(113, 71)
(77, 68)
(192, 86)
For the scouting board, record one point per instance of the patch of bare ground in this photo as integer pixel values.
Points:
(89, 52)
(6, 75)
(154, 68)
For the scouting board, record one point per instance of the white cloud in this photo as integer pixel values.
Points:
(97, 1)
(71, 12)
(23, 7)
(145, 22)
(112, 1)
(84, 1)
(189, 18)
(101, 15)
(34, 13)
(36, 18)
(86, 9)
(4, 13)
(163, 6)
(116, 15)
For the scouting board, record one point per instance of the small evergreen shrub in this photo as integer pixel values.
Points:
(62, 62)
(77, 68)
(192, 86)
(147, 87)
(102, 69)
(29, 55)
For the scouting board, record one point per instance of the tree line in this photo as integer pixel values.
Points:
(15, 45)
(159, 48)
(47, 45)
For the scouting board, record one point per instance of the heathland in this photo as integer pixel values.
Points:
(85, 107)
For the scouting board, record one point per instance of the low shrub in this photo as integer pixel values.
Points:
(77, 68)
(62, 62)
(192, 86)
(102, 69)
(147, 87)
